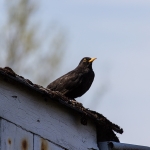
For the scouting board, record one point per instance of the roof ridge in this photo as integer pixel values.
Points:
(86, 113)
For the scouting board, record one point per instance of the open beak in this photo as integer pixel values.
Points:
(92, 59)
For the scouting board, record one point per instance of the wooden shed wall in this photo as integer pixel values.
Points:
(29, 112)
(13, 137)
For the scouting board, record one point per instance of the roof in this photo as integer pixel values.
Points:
(105, 128)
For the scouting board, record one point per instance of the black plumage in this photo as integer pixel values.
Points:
(76, 82)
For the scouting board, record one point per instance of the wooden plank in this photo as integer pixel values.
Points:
(50, 120)
(14, 138)
(42, 144)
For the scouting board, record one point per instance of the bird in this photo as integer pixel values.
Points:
(76, 82)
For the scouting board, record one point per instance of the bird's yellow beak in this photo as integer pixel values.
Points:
(92, 59)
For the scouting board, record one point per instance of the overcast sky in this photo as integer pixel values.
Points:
(118, 34)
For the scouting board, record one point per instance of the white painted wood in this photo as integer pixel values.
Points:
(14, 138)
(50, 120)
(42, 144)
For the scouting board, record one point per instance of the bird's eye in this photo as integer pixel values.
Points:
(84, 60)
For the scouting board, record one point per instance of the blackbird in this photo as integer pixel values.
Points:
(76, 82)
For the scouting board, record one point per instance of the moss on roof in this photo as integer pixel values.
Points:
(105, 128)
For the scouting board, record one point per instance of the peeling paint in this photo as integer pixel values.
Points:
(24, 144)
(9, 141)
(44, 144)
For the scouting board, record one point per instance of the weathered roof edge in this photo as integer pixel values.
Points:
(98, 118)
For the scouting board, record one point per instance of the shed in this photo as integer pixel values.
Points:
(35, 118)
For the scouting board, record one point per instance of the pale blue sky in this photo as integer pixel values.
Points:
(118, 34)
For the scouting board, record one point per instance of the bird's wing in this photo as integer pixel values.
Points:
(65, 82)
